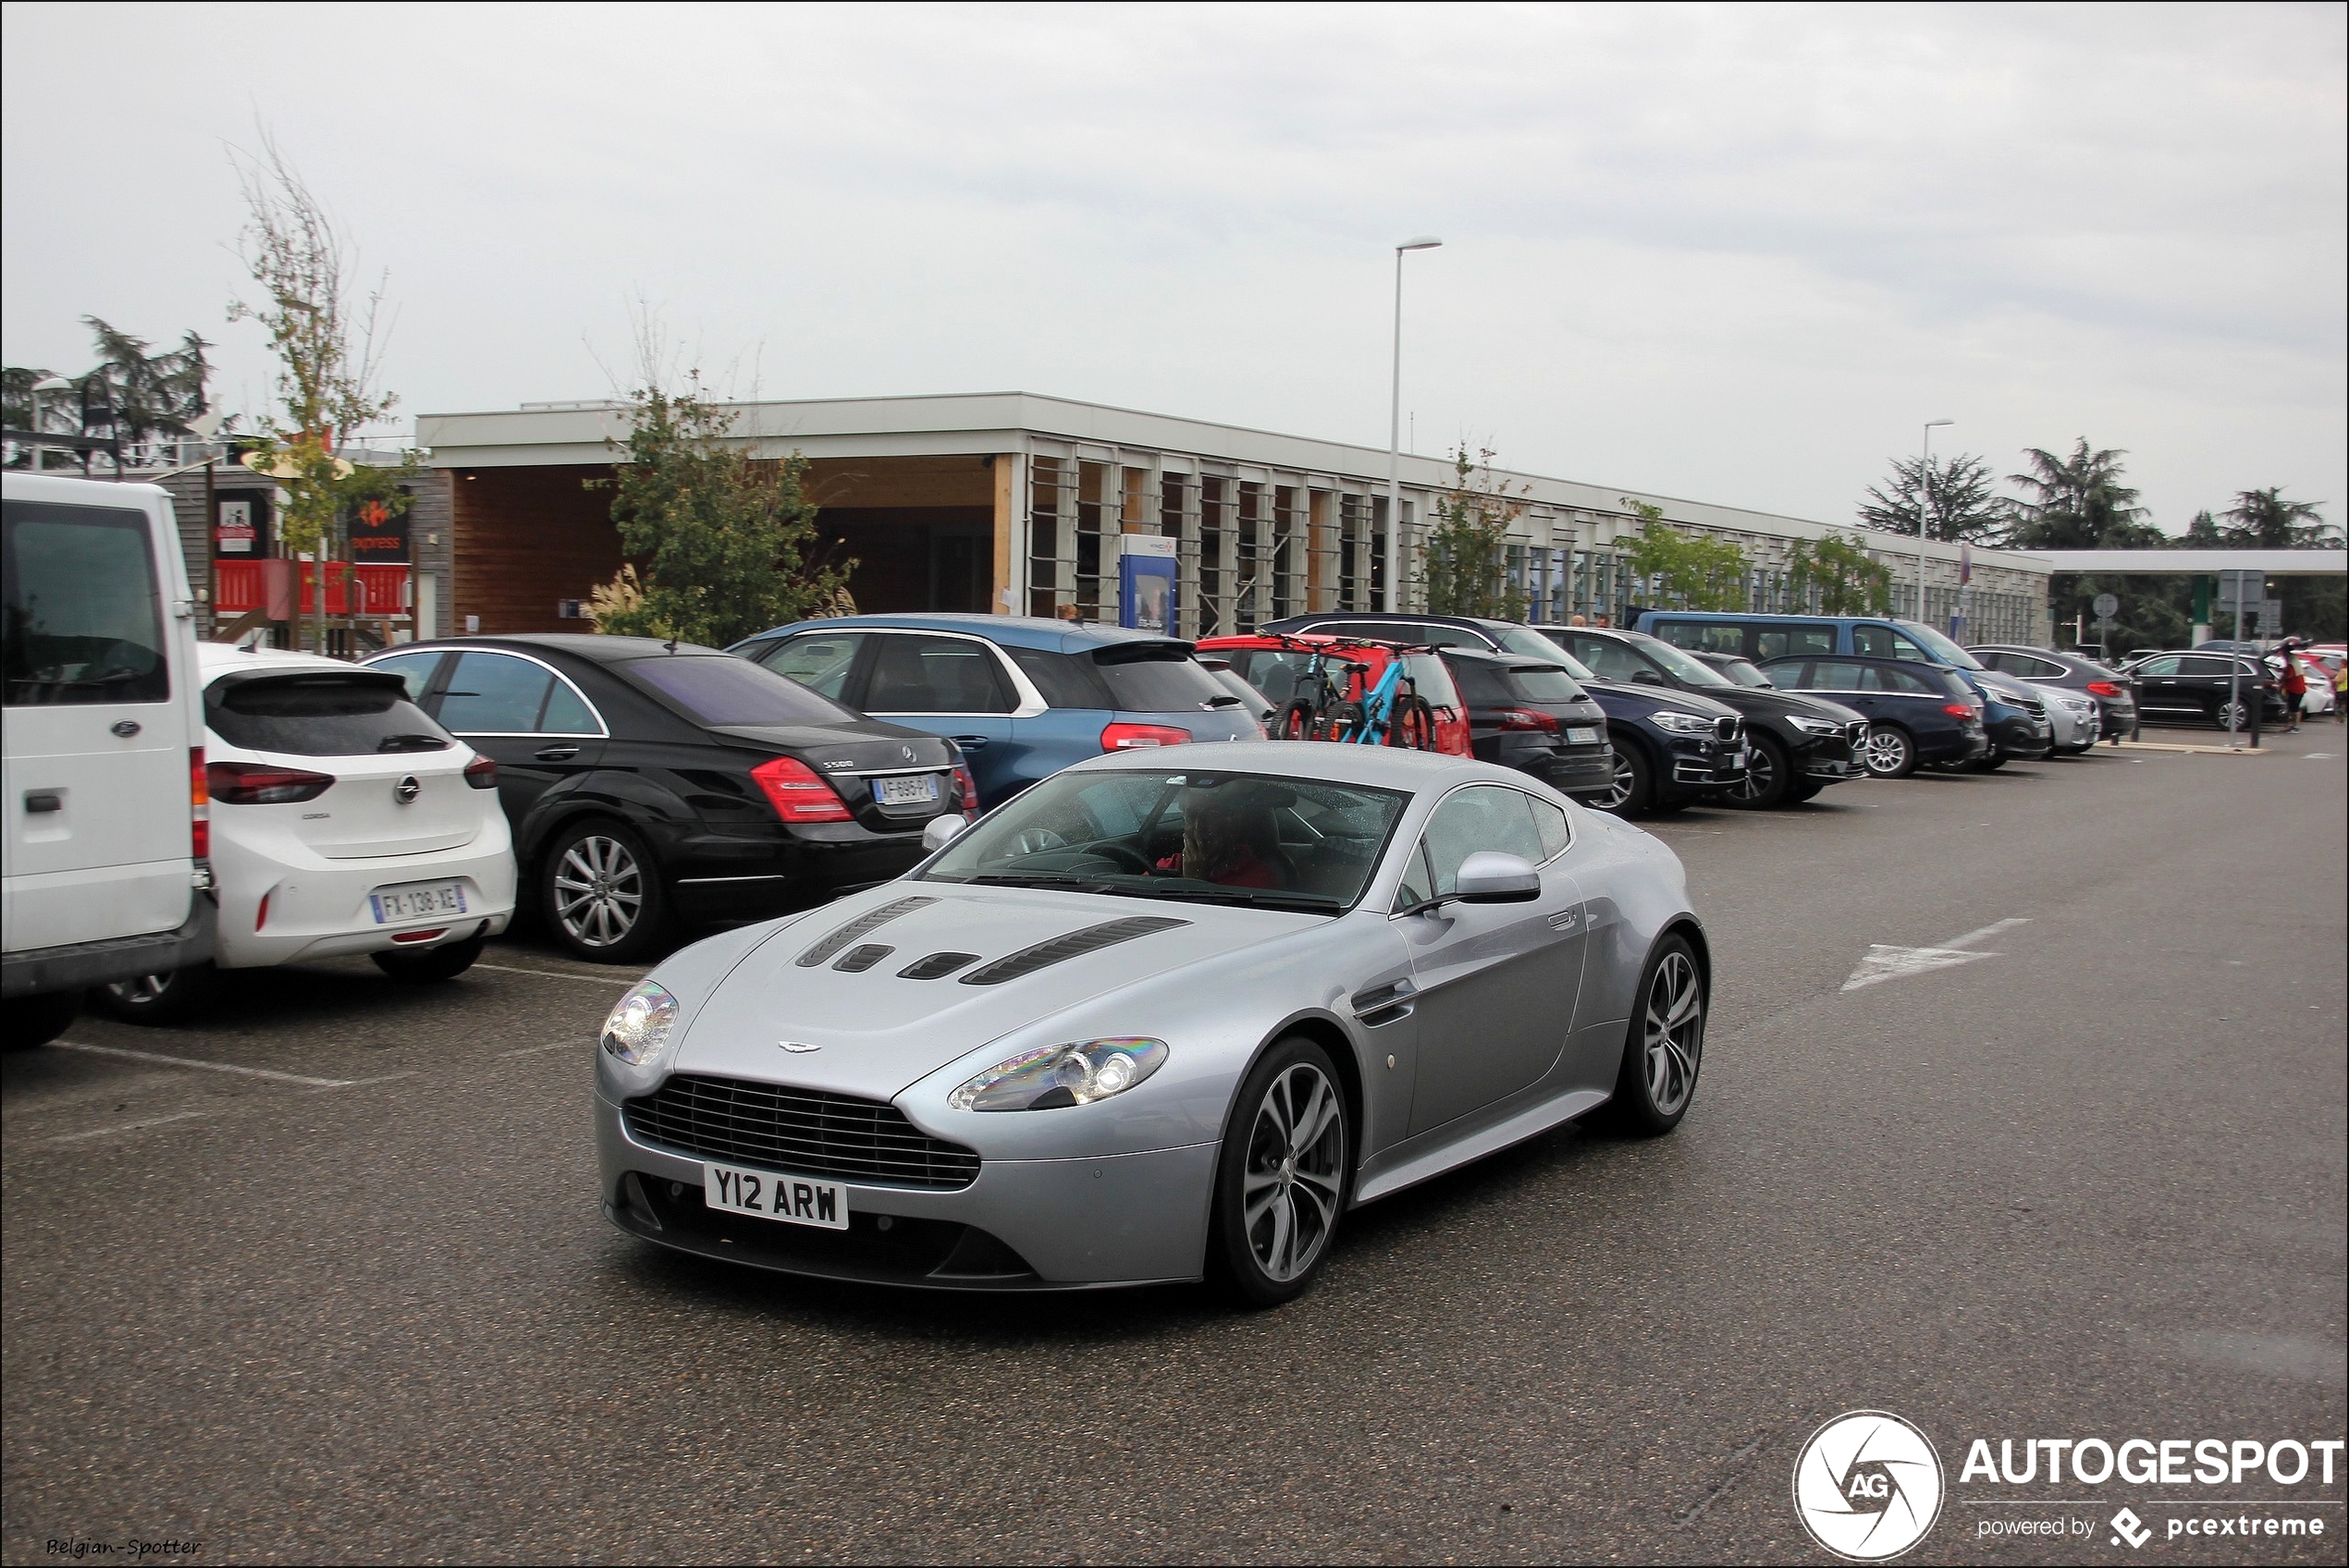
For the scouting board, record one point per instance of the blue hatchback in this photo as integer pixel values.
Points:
(1023, 698)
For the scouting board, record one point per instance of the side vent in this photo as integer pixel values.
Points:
(855, 928)
(855, 961)
(1075, 944)
(937, 966)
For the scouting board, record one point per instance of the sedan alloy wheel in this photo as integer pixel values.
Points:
(1890, 753)
(1282, 1181)
(1675, 1027)
(603, 893)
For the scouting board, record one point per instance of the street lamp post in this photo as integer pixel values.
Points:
(1395, 436)
(1924, 501)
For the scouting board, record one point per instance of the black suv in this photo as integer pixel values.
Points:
(1671, 748)
(1529, 715)
(2199, 688)
(1799, 745)
(651, 781)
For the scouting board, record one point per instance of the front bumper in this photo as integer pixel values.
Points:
(1830, 759)
(2023, 737)
(1021, 1224)
(1705, 764)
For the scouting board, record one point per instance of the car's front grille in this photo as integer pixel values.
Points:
(1726, 728)
(2033, 707)
(1858, 730)
(807, 1132)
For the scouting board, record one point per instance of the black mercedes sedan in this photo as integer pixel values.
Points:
(1531, 715)
(650, 783)
(1801, 744)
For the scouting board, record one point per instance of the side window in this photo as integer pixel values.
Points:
(2037, 670)
(915, 674)
(1872, 642)
(1786, 675)
(2205, 666)
(1416, 886)
(1904, 680)
(1815, 640)
(414, 669)
(566, 713)
(1480, 684)
(818, 661)
(1483, 816)
(1904, 649)
(1608, 659)
(1839, 675)
(1705, 636)
(2168, 665)
(1428, 674)
(1549, 821)
(1771, 644)
(1061, 681)
(494, 695)
(83, 622)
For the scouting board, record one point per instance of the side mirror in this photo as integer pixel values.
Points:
(940, 831)
(1648, 677)
(1489, 877)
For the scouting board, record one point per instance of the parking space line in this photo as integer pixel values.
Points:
(123, 1127)
(560, 974)
(270, 1074)
(1988, 932)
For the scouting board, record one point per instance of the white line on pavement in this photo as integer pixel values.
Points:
(1884, 961)
(270, 1074)
(125, 1127)
(1988, 932)
(560, 974)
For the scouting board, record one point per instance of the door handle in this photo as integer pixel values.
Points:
(43, 799)
(556, 753)
(971, 742)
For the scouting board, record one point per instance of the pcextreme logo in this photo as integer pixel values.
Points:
(1867, 1486)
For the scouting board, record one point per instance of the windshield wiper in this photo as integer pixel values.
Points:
(1255, 897)
(411, 741)
(1042, 879)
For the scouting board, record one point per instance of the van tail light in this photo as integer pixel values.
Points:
(798, 794)
(966, 792)
(199, 806)
(1133, 737)
(265, 784)
(1526, 718)
(2103, 689)
(482, 772)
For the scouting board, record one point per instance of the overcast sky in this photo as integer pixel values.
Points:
(1734, 254)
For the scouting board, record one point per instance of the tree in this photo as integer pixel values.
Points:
(1956, 496)
(1692, 572)
(1840, 572)
(2078, 503)
(325, 336)
(723, 538)
(147, 394)
(2264, 519)
(1465, 567)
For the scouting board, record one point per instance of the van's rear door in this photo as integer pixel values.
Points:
(96, 659)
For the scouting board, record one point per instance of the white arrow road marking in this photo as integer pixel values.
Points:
(1884, 961)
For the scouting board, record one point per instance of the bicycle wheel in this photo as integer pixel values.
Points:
(1344, 720)
(1297, 721)
(1413, 725)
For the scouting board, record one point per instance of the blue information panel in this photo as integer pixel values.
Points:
(1146, 593)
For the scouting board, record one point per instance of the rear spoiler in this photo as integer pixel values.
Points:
(216, 690)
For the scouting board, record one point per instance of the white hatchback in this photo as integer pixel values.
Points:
(344, 821)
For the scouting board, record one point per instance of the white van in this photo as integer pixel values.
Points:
(106, 874)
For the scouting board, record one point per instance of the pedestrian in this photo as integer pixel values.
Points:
(2341, 692)
(2295, 691)
(1576, 620)
(1602, 622)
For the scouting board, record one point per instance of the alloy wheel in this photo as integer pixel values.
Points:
(1888, 751)
(1620, 784)
(600, 892)
(1675, 1033)
(1761, 773)
(2233, 716)
(1295, 1173)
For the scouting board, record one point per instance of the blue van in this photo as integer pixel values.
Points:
(2015, 716)
(1023, 697)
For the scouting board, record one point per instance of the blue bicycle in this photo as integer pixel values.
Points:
(1393, 712)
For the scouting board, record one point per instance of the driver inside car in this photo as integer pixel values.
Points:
(1231, 837)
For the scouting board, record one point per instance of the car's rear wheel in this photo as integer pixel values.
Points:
(1665, 1047)
(1891, 754)
(1632, 790)
(602, 894)
(1767, 777)
(1280, 1182)
(171, 997)
(444, 963)
(36, 1020)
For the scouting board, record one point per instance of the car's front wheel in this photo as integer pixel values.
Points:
(1768, 776)
(1280, 1182)
(1665, 1046)
(172, 997)
(1632, 790)
(1891, 752)
(602, 894)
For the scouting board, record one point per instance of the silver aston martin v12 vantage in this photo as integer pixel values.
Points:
(1169, 1014)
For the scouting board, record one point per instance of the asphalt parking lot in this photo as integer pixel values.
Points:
(2023, 1116)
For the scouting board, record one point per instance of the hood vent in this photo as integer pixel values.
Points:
(858, 926)
(937, 966)
(855, 961)
(1075, 944)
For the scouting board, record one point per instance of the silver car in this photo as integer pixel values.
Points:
(1162, 1015)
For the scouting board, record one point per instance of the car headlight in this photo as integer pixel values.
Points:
(1684, 723)
(1815, 726)
(637, 1031)
(1061, 1075)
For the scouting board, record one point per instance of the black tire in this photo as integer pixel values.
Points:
(1802, 790)
(1655, 1086)
(1996, 760)
(1891, 752)
(601, 893)
(1634, 791)
(36, 1020)
(444, 963)
(1771, 776)
(173, 996)
(1310, 1190)
(1411, 725)
(1342, 722)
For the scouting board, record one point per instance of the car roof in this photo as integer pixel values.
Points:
(1011, 630)
(1386, 768)
(582, 644)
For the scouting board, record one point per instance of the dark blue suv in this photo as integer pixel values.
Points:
(1916, 712)
(1023, 698)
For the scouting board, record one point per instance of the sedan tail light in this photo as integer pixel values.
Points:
(482, 772)
(260, 784)
(1131, 737)
(966, 790)
(1526, 718)
(2103, 689)
(199, 806)
(798, 794)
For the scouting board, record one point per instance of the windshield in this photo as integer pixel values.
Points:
(1743, 672)
(1693, 671)
(1940, 647)
(1525, 640)
(1198, 837)
(721, 688)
